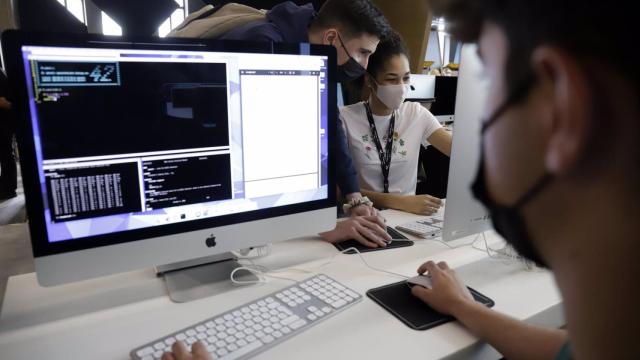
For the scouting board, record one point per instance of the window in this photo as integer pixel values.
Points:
(175, 19)
(75, 7)
(111, 27)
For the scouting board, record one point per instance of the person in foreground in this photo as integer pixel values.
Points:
(385, 133)
(354, 28)
(560, 170)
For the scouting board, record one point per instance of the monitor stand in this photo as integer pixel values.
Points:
(199, 278)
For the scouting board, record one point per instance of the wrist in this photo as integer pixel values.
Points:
(331, 236)
(355, 202)
(461, 307)
(353, 196)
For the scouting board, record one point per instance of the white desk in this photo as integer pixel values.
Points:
(107, 317)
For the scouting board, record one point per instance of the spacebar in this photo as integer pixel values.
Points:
(243, 351)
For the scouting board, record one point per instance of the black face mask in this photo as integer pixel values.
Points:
(350, 70)
(507, 220)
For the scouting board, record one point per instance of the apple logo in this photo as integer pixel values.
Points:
(211, 241)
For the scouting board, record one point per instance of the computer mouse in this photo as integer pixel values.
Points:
(422, 280)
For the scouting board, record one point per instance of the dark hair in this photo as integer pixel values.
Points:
(352, 17)
(577, 26)
(387, 48)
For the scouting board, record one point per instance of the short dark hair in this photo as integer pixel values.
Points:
(390, 46)
(577, 26)
(353, 17)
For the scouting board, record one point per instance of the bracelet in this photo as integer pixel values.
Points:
(356, 202)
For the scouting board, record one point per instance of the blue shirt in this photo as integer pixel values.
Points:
(288, 22)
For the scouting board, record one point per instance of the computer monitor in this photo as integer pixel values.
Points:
(444, 107)
(422, 88)
(464, 215)
(139, 153)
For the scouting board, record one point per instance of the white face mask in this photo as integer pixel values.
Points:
(392, 95)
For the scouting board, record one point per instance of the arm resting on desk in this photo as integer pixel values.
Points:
(416, 204)
(514, 339)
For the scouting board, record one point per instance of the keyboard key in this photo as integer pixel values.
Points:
(144, 352)
(298, 324)
(338, 304)
(222, 352)
(242, 351)
(267, 339)
(291, 319)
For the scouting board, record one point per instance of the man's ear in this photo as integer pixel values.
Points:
(330, 36)
(568, 123)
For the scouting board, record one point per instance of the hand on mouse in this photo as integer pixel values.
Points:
(370, 231)
(447, 290)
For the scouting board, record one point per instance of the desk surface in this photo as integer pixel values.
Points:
(105, 318)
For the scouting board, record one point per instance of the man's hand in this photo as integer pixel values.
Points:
(447, 292)
(5, 104)
(420, 204)
(180, 352)
(367, 230)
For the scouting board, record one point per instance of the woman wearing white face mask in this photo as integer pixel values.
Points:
(385, 133)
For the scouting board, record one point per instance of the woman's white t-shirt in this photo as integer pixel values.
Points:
(413, 126)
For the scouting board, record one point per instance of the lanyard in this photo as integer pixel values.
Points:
(384, 154)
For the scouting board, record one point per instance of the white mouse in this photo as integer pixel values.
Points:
(422, 280)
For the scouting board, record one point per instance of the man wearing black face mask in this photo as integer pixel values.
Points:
(560, 171)
(354, 28)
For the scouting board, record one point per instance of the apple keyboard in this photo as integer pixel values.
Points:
(258, 325)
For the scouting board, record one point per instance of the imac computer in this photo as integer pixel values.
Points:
(464, 215)
(142, 153)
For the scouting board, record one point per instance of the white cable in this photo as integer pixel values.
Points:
(260, 274)
(261, 279)
(367, 264)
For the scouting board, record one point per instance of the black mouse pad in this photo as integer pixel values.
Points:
(399, 240)
(397, 299)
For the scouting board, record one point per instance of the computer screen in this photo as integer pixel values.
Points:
(464, 215)
(131, 139)
(162, 144)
